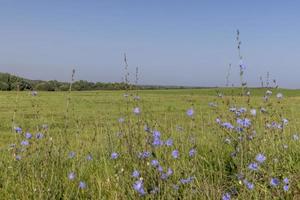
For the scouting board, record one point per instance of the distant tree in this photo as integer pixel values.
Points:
(3, 86)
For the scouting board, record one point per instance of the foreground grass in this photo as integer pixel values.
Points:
(88, 125)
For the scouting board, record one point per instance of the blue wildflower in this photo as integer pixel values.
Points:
(71, 176)
(175, 154)
(154, 163)
(139, 187)
(286, 188)
(145, 154)
(18, 130)
(253, 166)
(226, 196)
(121, 120)
(135, 174)
(160, 169)
(114, 155)
(286, 180)
(72, 154)
(89, 157)
(260, 158)
(25, 143)
(157, 141)
(82, 185)
(248, 184)
(227, 125)
(274, 182)
(136, 111)
(39, 136)
(244, 122)
(169, 172)
(18, 157)
(169, 142)
(164, 176)
(190, 112)
(187, 180)
(156, 134)
(28, 135)
(192, 152)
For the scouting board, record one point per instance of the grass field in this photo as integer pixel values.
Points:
(92, 145)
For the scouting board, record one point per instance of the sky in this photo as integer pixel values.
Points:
(174, 42)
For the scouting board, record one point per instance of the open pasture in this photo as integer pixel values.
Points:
(152, 144)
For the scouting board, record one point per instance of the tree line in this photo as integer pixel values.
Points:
(10, 82)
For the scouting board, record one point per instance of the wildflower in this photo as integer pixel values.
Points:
(18, 157)
(218, 121)
(39, 136)
(169, 142)
(244, 122)
(285, 121)
(242, 110)
(71, 176)
(274, 182)
(160, 169)
(24, 143)
(242, 65)
(253, 112)
(260, 158)
(139, 187)
(286, 188)
(187, 180)
(82, 185)
(28, 135)
(72, 154)
(135, 174)
(253, 166)
(248, 184)
(154, 163)
(137, 98)
(145, 154)
(227, 125)
(279, 96)
(190, 112)
(175, 154)
(136, 111)
(164, 176)
(192, 152)
(169, 172)
(286, 180)
(157, 142)
(114, 155)
(18, 130)
(226, 196)
(89, 157)
(156, 134)
(121, 120)
(295, 137)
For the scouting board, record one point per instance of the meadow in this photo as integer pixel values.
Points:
(150, 144)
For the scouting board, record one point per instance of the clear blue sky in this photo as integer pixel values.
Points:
(172, 42)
